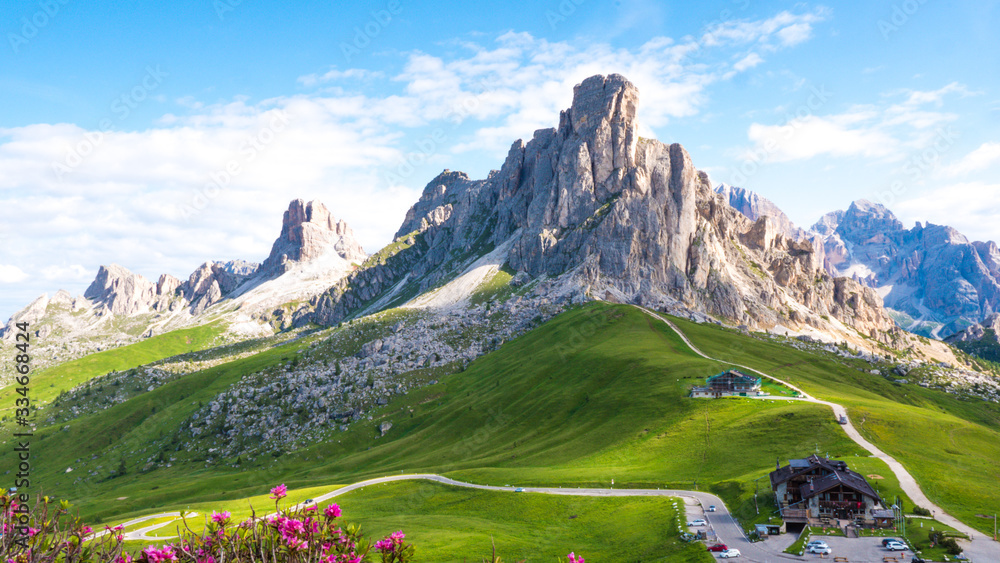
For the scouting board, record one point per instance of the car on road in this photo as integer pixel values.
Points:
(886, 541)
(718, 547)
(698, 522)
(711, 508)
(519, 490)
(821, 549)
(729, 553)
(896, 546)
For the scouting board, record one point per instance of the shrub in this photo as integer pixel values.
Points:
(921, 511)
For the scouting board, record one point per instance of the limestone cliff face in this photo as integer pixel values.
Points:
(618, 215)
(120, 291)
(309, 230)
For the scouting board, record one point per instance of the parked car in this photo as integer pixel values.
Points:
(887, 540)
(918, 560)
(711, 508)
(698, 522)
(729, 553)
(896, 546)
(817, 543)
(718, 547)
(821, 549)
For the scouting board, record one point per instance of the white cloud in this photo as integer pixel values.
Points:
(333, 74)
(888, 130)
(11, 274)
(785, 29)
(814, 136)
(987, 155)
(749, 61)
(970, 207)
(237, 163)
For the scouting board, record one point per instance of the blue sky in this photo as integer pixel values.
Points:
(159, 136)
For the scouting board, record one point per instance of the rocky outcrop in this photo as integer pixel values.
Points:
(755, 206)
(936, 279)
(308, 231)
(121, 292)
(616, 215)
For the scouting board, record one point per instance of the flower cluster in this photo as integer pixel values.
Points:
(573, 558)
(393, 549)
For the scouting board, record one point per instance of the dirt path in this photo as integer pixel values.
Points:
(981, 548)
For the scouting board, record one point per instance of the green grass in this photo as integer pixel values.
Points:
(47, 384)
(598, 393)
(454, 524)
(950, 444)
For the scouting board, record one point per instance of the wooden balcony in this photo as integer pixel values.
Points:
(795, 514)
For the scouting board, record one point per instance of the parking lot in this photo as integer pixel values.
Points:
(859, 550)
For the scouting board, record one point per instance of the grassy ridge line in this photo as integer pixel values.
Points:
(48, 383)
(598, 393)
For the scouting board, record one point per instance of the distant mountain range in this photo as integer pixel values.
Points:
(595, 212)
(933, 280)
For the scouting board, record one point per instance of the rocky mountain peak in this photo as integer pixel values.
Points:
(864, 220)
(308, 231)
(604, 113)
(120, 291)
(755, 206)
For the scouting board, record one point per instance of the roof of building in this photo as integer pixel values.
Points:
(799, 466)
(845, 477)
(737, 375)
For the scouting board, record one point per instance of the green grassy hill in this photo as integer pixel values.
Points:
(598, 393)
(48, 383)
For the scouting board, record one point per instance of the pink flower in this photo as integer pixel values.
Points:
(332, 511)
(573, 558)
(281, 491)
(220, 517)
(32, 532)
(124, 558)
(159, 555)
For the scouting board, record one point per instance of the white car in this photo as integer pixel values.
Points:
(819, 543)
(729, 553)
(698, 522)
(823, 549)
(896, 546)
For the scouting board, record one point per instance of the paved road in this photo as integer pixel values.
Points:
(981, 548)
(725, 526)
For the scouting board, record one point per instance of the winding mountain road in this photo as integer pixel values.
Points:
(727, 529)
(981, 548)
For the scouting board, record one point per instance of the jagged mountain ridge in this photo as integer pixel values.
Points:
(617, 217)
(755, 206)
(935, 280)
(313, 251)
